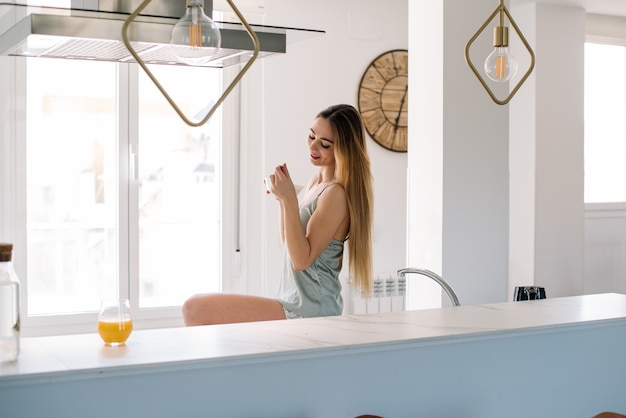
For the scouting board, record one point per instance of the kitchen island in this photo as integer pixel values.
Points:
(551, 357)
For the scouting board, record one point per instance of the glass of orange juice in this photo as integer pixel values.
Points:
(115, 322)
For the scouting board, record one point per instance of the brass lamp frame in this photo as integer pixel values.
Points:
(142, 64)
(499, 31)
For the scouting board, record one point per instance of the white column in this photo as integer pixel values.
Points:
(546, 154)
(458, 156)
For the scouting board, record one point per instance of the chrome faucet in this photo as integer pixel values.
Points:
(435, 277)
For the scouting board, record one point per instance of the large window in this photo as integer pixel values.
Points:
(122, 198)
(72, 194)
(605, 123)
(179, 177)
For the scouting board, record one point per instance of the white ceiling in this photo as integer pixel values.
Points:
(604, 7)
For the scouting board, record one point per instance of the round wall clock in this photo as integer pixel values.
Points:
(383, 99)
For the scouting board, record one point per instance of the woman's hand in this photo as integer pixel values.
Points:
(281, 185)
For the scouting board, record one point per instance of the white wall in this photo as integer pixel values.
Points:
(605, 249)
(458, 156)
(546, 138)
(458, 224)
(314, 74)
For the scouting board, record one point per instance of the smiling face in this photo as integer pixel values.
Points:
(321, 142)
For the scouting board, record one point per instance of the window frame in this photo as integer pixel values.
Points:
(13, 198)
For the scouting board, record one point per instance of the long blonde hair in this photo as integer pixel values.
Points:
(352, 170)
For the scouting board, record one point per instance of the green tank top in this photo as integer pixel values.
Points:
(315, 291)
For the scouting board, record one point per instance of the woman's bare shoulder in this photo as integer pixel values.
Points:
(334, 194)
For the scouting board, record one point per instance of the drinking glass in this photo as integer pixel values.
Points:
(115, 322)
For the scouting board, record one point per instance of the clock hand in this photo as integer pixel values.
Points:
(406, 89)
(396, 125)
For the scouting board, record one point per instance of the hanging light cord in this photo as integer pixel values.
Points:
(142, 64)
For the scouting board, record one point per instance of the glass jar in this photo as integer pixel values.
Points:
(9, 306)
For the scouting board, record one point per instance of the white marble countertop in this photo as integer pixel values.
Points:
(84, 355)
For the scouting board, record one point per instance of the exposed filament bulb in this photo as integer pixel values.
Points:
(500, 65)
(195, 37)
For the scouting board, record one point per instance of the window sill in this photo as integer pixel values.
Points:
(605, 210)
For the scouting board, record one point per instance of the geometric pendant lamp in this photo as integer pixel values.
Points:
(500, 66)
(201, 36)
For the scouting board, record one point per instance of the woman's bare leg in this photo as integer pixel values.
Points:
(222, 308)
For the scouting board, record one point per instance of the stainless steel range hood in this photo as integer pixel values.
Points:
(94, 32)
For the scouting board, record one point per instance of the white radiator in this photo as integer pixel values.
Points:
(388, 295)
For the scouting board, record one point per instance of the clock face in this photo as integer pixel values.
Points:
(384, 100)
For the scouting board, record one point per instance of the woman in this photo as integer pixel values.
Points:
(335, 205)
